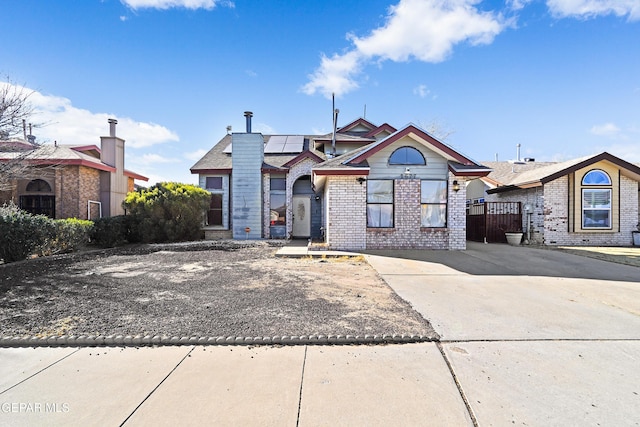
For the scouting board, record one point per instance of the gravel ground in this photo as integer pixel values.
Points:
(207, 289)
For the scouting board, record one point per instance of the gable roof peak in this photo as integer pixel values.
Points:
(444, 149)
(361, 121)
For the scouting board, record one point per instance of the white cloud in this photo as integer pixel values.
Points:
(67, 124)
(608, 130)
(167, 4)
(425, 30)
(591, 8)
(319, 131)
(421, 91)
(263, 128)
(428, 30)
(517, 4)
(195, 155)
(628, 152)
(335, 74)
(151, 158)
(626, 141)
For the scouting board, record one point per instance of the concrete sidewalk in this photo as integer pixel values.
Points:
(216, 385)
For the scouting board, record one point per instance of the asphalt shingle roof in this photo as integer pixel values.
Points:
(216, 158)
(506, 173)
(516, 174)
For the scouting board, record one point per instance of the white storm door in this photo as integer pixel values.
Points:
(301, 216)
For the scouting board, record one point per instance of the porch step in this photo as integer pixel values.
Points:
(297, 251)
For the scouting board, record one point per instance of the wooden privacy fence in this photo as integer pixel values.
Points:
(488, 221)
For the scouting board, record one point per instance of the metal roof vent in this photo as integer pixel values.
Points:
(248, 115)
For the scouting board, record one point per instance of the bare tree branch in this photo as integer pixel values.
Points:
(15, 153)
(15, 108)
(436, 128)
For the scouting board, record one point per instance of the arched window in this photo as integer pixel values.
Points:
(407, 156)
(596, 200)
(596, 177)
(39, 186)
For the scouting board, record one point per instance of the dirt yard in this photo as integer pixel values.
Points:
(209, 289)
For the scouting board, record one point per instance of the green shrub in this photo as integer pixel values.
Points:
(23, 234)
(167, 212)
(70, 234)
(110, 232)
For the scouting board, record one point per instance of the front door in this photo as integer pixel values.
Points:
(301, 216)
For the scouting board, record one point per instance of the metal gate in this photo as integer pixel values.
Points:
(488, 221)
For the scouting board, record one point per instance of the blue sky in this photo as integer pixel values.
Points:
(559, 77)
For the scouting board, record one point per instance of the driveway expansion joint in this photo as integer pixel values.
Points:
(474, 420)
(156, 340)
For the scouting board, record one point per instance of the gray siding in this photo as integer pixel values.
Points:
(246, 185)
(436, 167)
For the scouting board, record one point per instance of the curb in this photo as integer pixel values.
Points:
(156, 340)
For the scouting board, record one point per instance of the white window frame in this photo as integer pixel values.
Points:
(597, 208)
(603, 187)
(280, 193)
(376, 207)
(224, 192)
(424, 205)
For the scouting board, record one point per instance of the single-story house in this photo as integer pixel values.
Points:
(361, 187)
(589, 201)
(69, 181)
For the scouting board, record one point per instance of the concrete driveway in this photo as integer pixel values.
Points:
(532, 336)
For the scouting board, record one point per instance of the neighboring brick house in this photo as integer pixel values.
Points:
(67, 181)
(362, 187)
(590, 201)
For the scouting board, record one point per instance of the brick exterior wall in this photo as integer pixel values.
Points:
(457, 215)
(408, 232)
(556, 217)
(406, 222)
(74, 187)
(296, 171)
(550, 215)
(7, 196)
(346, 201)
(533, 197)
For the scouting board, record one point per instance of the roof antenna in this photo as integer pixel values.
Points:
(365, 112)
(334, 113)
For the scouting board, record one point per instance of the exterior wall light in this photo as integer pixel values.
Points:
(361, 179)
(407, 174)
(456, 186)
